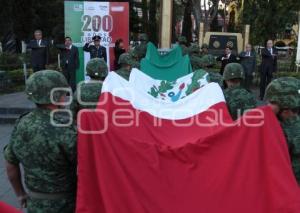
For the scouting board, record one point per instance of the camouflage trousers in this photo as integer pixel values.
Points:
(51, 206)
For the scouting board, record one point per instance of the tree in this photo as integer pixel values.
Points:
(187, 21)
(148, 22)
(268, 19)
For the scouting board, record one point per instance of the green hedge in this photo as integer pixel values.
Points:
(287, 74)
(12, 61)
(17, 76)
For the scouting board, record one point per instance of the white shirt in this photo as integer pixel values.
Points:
(271, 51)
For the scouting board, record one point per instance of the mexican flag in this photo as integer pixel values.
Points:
(5, 208)
(138, 153)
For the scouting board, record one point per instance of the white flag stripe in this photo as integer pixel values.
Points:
(193, 104)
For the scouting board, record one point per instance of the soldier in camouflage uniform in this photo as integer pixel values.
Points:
(216, 77)
(45, 144)
(135, 58)
(141, 49)
(126, 63)
(88, 93)
(182, 41)
(208, 62)
(283, 95)
(204, 49)
(209, 58)
(196, 61)
(237, 98)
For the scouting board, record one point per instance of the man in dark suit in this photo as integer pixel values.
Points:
(96, 50)
(248, 61)
(70, 62)
(39, 51)
(268, 66)
(227, 58)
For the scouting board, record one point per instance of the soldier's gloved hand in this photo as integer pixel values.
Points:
(23, 201)
(253, 74)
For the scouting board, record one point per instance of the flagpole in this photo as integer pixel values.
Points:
(166, 24)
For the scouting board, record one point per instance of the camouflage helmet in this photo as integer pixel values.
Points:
(204, 46)
(182, 39)
(232, 71)
(194, 48)
(125, 58)
(285, 92)
(40, 85)
(97, 68)
(143, 37)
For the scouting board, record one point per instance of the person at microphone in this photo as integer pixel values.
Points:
(227, 58)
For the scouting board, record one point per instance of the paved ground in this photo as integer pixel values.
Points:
(6, 192)
(15, 100)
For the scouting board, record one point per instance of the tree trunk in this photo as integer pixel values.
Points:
(187, 22)
(197, 14)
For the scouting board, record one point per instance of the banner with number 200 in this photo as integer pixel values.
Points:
(84, 20)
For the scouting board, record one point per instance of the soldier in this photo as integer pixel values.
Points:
(216, 77)
(141, 49)
(204, 49)
(283, 95)
(209, 58)
(45, 145)
(182, 41)
(96, 50)
(238, 99)
(126, 63)
(196, 61)
(135, 58)
(208, 61)
(88, 93)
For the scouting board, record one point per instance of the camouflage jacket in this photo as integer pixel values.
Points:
(185, 49)
(136, 65)
(141, 50)
(216, 77)
(124, 73)
(208, 60)
(196, 62)
(47, 152)
(89, 96)
(238, 101)
(291, 128)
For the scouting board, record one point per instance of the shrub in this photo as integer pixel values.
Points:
(16, 76)
(288, 74)
(10, 61)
